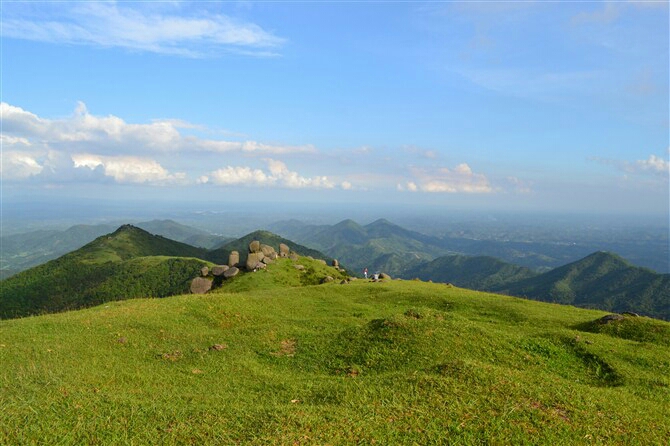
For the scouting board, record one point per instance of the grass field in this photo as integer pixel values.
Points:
(399, 362)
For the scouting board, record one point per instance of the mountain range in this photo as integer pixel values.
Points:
(131, 262)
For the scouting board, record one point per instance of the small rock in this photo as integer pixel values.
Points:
(234, 259)
(609, 318)
(293, 256)
(200, 285)
(231, 272)
(327, 279)
(218, 347)
(283, 250)
(218, 270)
(299, 267)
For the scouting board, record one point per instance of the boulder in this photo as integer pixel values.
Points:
(255, 246)
(267, 260)
(299, 267)
(293, 256)
(327, 279)
(231, 272)
(267, 250)
(218, 270)
(610, 318)
(233, 259)
(253, 260)
(336, 264)
(273, 255)
(200, 285)
(204, 271)
(384, 276)
(283, 250)
(321, 261)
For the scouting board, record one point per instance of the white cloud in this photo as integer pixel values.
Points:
(111, 135)
(460, 179)
(18, 165)
(654, 165)
(140, 27)
(127, 169)
(277, 175)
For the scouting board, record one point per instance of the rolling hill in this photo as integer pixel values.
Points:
(378, 246)
(23, 251)
(127, 263)
(601, 280)
(392, 362)
(477, 273)
(241, 245)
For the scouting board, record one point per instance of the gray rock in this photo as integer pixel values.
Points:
(384, 276)
(610, 318)
(234, 259)
(336, 264)
(293, 256)
(267, 260)
(323, 262)
(218, 270)
(204, 271)
(273, 256)
(283, 250)
(327, 279)
(299, 267)
(253, 260)
(267, 250)
(200, 285)
(255, 246)
(231, 272)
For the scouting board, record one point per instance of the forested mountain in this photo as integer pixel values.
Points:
(23, 251)
(378, 246)
(601, 280)
(477, 273)
(127, 263)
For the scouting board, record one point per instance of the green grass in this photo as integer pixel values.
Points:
(400, 362)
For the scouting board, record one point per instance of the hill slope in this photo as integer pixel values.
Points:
(23, 251)
(362, 363)
(378, 246)
(128, 263)
(241, 245)
(477, 273)
(600, 280)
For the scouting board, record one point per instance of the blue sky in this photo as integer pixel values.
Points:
(504, 105)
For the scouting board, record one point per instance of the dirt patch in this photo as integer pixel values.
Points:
(287, 347)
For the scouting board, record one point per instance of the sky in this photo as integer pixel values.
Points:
(520, 106)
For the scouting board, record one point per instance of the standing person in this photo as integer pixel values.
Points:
(365, 273)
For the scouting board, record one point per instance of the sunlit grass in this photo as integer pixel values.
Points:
(392, 363)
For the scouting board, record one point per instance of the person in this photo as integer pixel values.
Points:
(365, 273)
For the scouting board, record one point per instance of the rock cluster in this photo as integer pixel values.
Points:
(259, 256)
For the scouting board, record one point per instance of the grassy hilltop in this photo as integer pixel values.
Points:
(398, 362)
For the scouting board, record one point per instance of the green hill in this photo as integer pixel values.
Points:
(23, 251)
(601, 280)
(127, 263)
(241, 245)
(477, 273)
(398, 362)
(378, 246)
